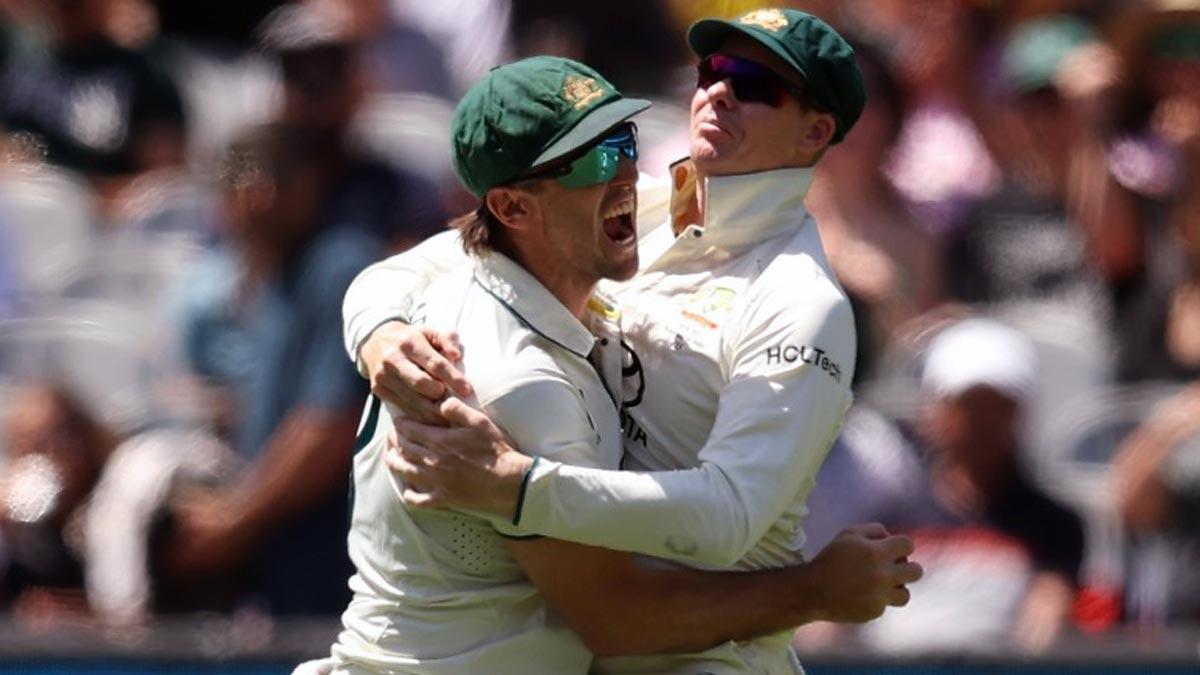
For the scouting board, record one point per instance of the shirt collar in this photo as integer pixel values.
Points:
(741, 209)
(533, 305)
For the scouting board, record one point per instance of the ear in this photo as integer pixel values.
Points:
(819, 133)
(512, 207)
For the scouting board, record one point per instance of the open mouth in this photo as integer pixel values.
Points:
(619, 224)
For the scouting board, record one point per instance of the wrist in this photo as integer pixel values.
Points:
(516, 476)
(810, 601)
(372, 343)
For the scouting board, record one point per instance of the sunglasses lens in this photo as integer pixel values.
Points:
(751, 82)
(751, 89)
(600, 163)
(596, 166)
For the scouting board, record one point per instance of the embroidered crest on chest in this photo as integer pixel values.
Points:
(710, 306)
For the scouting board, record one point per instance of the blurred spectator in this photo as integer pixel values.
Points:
(1001, 558)
(323, 88)
(128, 525)
(297, 404)
(871, 459)
(1044, 236)
(1156, 472)
(475, 33)
(1157, 478)
(630, 40)
(1159, 328)
(99, 107)
(940, 163)
(889, 263)
(1160, 331)
(55, 450)
(399, 57)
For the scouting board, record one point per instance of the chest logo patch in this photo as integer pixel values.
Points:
(710, 306)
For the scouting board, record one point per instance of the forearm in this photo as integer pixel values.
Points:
(692, 515)
(1143, 498)
(762, 458)
(1107, 212)
(305, 461)
(680, 612)
(621, 609)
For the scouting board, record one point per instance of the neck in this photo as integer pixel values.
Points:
(570, 287)
(572, 292)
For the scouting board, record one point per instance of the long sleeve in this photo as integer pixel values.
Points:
(787, 365)
(388, 289)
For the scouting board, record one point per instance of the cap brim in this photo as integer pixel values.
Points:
(707, 35)
(592, 127)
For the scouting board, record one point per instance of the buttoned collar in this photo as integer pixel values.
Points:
(532, 304)
(742, 209)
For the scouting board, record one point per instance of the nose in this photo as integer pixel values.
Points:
(627, 170)
(721, 93)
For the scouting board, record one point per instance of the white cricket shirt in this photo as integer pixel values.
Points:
(436, 591)
(739, 350)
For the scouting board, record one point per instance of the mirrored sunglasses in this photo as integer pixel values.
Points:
(599, 164)
(751, 82)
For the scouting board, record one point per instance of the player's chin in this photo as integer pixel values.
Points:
(620, 265)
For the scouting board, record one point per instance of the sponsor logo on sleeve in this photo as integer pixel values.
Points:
(813, 356)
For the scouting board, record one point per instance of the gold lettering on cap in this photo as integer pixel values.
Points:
(581, 92)
(768, 19)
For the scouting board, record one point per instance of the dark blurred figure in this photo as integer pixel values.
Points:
(324, 84)
(889, 262)
(630, 40)
(1156, 472)
(99, 107)
(55, 451)
(1159, 328)
(1059, 231)
(297, 401)
(1001, 557)
(226, 21)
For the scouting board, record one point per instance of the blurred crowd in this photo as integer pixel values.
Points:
(187, 189)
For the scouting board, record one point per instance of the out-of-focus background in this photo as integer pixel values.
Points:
(186, 190)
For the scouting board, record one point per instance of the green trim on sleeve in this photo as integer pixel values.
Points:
(524, 487)
(520, 537)
(368, 430)
(364, 437)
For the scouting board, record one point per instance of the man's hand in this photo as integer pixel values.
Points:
(861, 572)
(412, 367)
(468, 464)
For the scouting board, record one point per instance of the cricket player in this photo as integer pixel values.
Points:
(546, 145)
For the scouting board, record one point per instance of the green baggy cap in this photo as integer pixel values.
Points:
(530, 112)
(822, 57)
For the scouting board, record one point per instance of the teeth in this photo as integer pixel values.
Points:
(620, 209)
